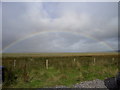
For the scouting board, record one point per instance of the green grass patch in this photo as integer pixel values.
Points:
(31, 72)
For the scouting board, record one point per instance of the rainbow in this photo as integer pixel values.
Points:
(44, 32)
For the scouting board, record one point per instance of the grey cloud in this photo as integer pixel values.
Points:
(97, 20)
(0, 26)
(67, 43)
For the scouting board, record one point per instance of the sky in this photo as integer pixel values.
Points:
(59, 27)
(0, 27)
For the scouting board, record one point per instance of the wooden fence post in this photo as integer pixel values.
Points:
(14, 63)
(113, 59)
(94, 61)
(47, 64)
(74, 59)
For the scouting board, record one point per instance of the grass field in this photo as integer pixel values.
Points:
(51, 69)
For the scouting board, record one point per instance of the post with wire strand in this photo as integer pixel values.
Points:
(113, 59)
(94, 61)
(14, 63)
(46, 63)
(74, 59)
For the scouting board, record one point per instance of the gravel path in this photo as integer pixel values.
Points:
(91, 84)
(87, 84)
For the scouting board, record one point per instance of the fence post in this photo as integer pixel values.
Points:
(47, 64)
(14, 63)
(74, 59)
(113, 59)
(94, 61)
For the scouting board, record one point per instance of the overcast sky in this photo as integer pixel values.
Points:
(0, 27)
(59, 26)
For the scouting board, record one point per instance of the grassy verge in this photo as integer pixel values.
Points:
(31, 72)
